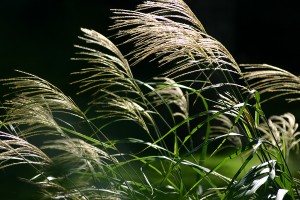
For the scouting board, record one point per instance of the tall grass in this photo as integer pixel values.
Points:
(179, 131)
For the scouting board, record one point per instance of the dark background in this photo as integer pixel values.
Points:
(37, 36)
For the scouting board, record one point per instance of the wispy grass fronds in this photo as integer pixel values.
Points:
(226, 126)
(111, 72)
(78, 170)
(129, 110)
(116, 94)
(36, 106)
(30, 117)
(169, 92)
(41, 91)
(81, 164)
(53, 191)
(233, 107)
(173, 9)
(282, 131)
(15, 151)
(269, 79)
(227, 101)
(77, 151)
(170, 31)
(241, 110)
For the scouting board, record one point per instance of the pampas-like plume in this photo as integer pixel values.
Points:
(41, 91)
(227, 127)
(32, 107)
(283, 132)
(111, 72)
(112, 81)
(128, 110)
(269, 79)
(16, 151)
(170, 30)
(170, 93)
(227, 101)
(78, 152)
(31, 117)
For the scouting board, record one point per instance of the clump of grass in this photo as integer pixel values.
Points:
(175, 139)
